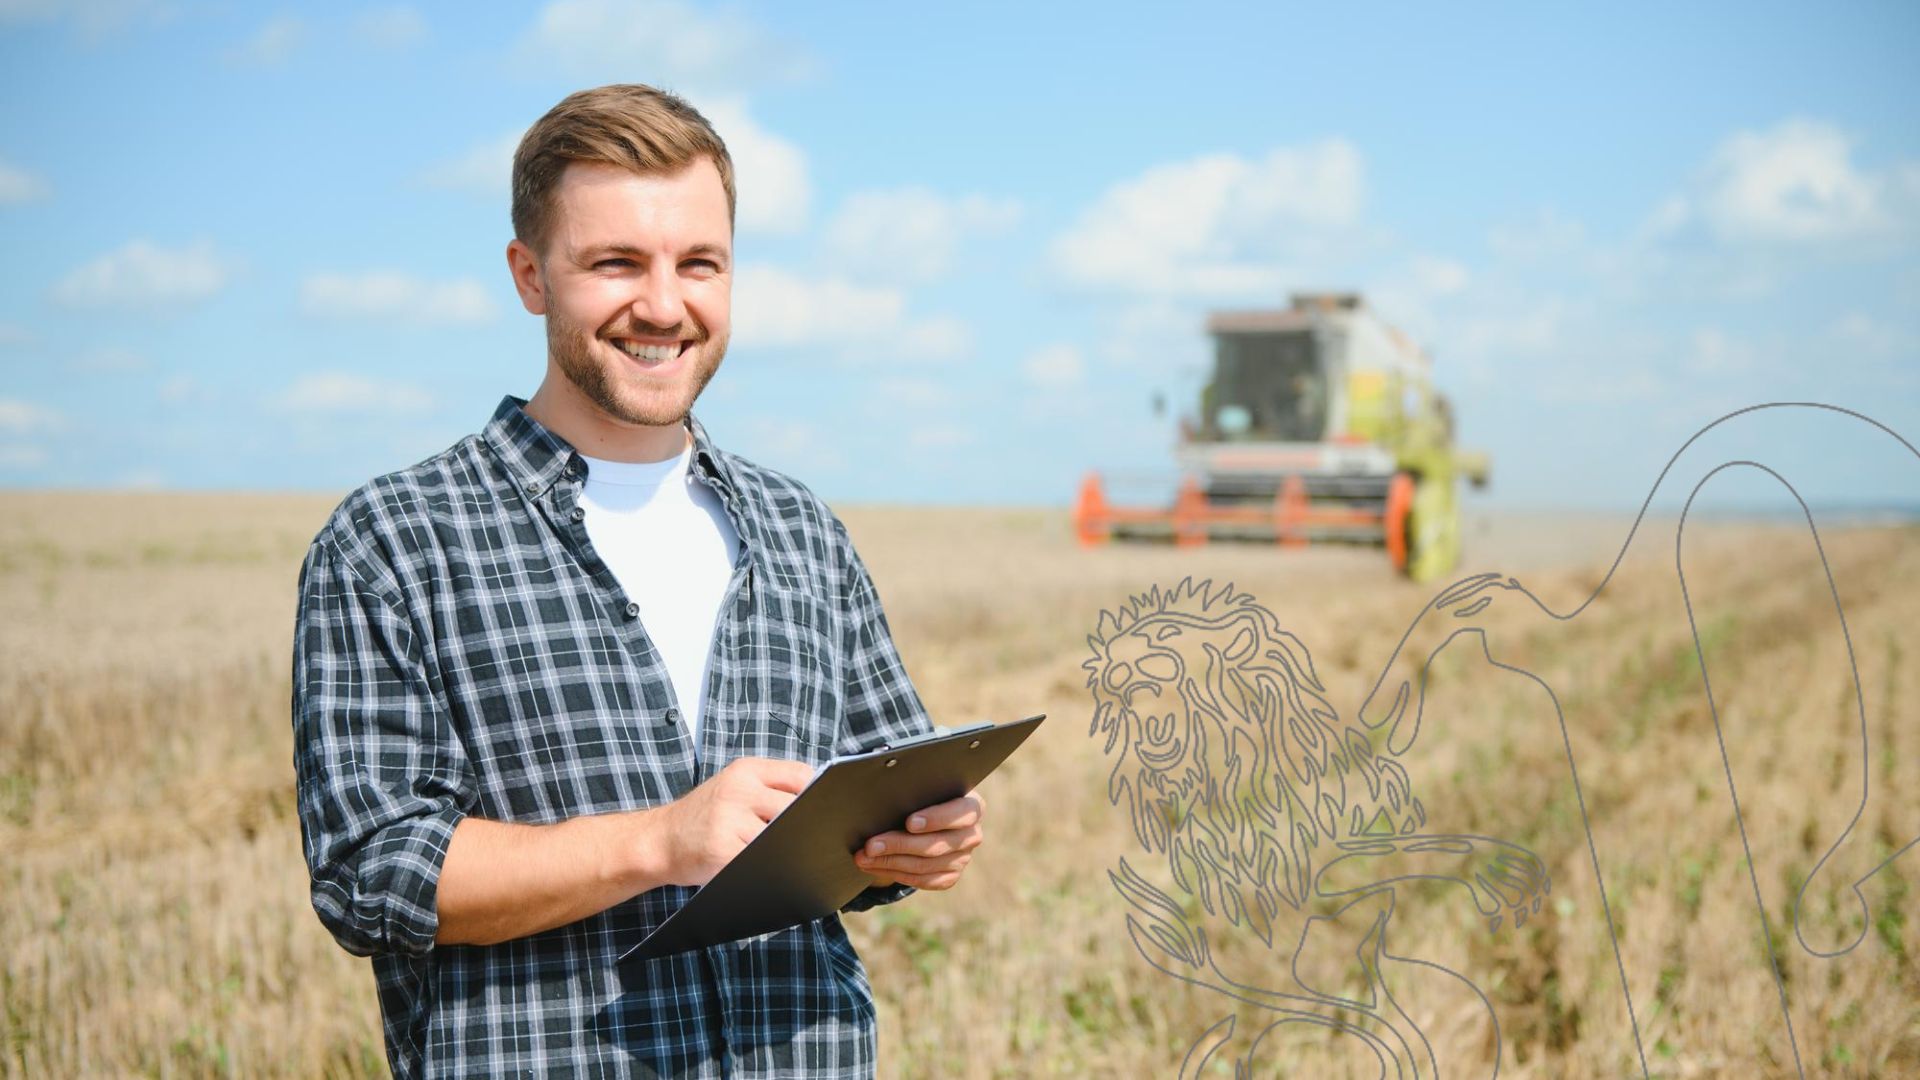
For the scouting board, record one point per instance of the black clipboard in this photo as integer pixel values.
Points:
(801, 865)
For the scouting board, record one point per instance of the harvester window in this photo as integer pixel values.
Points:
(1268, 387)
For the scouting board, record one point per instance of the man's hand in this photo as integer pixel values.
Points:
(704, 829)
(505, 880)
(935, 848)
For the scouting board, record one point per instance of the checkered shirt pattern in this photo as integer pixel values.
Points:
(460, 649)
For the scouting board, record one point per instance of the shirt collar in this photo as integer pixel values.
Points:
(537, 458)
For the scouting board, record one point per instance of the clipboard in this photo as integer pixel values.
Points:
(800, 867)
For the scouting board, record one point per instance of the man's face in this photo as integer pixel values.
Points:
(636, 284)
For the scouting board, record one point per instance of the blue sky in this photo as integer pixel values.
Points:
(261, 247)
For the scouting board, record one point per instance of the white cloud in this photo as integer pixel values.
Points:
(19, 418)
(909, 233)
(392, 295)
(141, 275)
(1796, 183)
(1595, 385)
(92, 17)
(1499, 330)
(20, 186)
(770, 176)
(339, 392)
(913, 393)
(1524, 330)
(1714, 353)
(775, 308)
(272, 44)
(1544, 235)
(391, 27)
(18, 456)
(936, 337)
(1434, 276)
(484, 169)
(1216, 224)
(660, 42)
(1157, 334)
(940, 437)
(771, 182)
(1055, 366)
(22, 422)
(109, 359)
(181, 388)
(796, 446)
(1858, 333)
(1417, 295)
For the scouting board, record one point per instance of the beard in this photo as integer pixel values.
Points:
(607, 381)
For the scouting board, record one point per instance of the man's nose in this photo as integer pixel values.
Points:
(659, 302)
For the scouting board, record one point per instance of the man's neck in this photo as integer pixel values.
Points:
(560, 408)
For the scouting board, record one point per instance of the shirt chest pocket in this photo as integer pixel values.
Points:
(798, 666)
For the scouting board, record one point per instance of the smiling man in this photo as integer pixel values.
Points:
(548, 682)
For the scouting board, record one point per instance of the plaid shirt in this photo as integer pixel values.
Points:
(461, 650)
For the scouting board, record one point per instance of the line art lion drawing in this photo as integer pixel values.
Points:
(1231, 765)
(1278, 820)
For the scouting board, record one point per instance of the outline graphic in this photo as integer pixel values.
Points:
(1234, 767)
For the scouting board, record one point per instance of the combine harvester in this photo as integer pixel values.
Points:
(1320, 423)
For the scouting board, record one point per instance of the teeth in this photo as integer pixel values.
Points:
(649, 352)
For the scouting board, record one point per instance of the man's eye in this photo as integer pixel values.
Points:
(612, 262)
(708, 263)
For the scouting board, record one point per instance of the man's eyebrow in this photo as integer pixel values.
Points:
(631, 252)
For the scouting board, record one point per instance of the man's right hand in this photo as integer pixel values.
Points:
(506, 880)
(703, 830)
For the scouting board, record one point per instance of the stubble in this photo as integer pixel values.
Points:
(598, 378)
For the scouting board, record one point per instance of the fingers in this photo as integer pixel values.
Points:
(765, 786)
(930, 845)
(952, 814)
(780, 773)
(927, 881)
(937, 845)
(767, 802)
(911, 869)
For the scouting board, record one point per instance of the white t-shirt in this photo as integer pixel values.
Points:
(668, 540)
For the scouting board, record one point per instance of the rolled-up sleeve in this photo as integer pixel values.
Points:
(382, 777)
(881, 703)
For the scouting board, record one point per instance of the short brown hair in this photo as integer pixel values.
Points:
(627, 124)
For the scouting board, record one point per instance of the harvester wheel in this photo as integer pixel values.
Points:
(1433, 530)
(1399, 506)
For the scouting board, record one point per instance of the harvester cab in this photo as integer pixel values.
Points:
(1320, 423)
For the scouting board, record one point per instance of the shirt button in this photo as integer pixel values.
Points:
(672, 715)
(533, 488)
(633, 610)
(579, 513)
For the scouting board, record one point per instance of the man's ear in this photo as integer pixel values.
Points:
(528, 281)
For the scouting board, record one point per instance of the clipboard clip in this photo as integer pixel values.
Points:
(916, 740)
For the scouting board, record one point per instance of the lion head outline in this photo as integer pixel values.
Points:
(1230, 761)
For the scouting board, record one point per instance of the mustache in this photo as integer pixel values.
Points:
(684, 330)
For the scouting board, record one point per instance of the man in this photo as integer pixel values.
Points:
(549, 681)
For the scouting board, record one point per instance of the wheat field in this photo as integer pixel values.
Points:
(154, 918)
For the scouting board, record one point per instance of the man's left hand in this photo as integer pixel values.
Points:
(936, 846)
